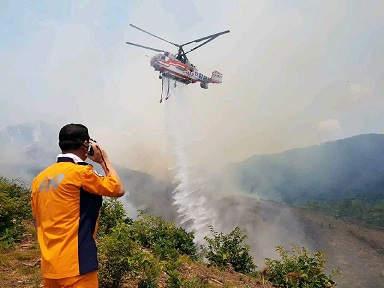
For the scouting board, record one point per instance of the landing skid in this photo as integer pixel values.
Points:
(168, 78)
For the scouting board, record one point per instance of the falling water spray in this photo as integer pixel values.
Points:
(192, 205)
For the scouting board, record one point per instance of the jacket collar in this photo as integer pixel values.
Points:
(72, 156)
(69, 157)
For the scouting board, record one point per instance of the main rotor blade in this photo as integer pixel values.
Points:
(209, 40)
(145, 47)
(207, 37)
(142, 30)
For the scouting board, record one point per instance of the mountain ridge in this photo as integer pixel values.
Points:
(340, 169)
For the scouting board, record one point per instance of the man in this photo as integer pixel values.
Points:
(66, 199)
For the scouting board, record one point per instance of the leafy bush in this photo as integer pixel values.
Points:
(152, 269)
(112, 213)
(118, 256)
(15, 207)
(122, 246)
(229, 250)
(301, 269)
(164, 238)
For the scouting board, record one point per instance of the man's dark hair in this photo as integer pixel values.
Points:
(66, 146)
(72, 136)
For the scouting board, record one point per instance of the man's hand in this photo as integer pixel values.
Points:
(99, 155)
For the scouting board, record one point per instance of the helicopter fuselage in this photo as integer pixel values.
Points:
(182, 71)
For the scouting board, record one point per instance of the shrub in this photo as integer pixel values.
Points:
(152, 269)
(118, 256)
(228, 250)
(112, 213)
(121, 247)
(301, 269)
(163, 237)
(15, 207)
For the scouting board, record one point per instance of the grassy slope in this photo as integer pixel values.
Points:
(357, 249)
(20, 267)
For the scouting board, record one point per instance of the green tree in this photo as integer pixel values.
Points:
(225, 250)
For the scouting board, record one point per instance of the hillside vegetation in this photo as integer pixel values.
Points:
(152, 252)
(341, 178)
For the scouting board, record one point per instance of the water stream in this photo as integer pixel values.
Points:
(192, 206)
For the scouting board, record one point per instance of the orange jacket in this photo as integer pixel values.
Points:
(66, 199)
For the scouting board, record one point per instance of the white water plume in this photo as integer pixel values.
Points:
(192, 206)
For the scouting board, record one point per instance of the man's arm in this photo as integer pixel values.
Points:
(101, 157)
(109, 170)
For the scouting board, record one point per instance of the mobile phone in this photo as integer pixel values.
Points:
(90, 151)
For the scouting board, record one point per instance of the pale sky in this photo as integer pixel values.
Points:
(295, 73)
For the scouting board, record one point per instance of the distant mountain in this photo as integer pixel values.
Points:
(347, 168)
(147, 193)
(26, 149)
(28, 133)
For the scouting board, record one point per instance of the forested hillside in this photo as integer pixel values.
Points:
(344, 169)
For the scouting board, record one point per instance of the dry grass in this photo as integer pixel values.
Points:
(19, 266)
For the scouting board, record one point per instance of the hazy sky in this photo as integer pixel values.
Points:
(294, 73)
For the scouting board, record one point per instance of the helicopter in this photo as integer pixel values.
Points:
(177, 66)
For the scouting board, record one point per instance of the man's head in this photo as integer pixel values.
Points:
(72, 137)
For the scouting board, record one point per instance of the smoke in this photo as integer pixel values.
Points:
(203, 198)
(360, 91)
(329, 130)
